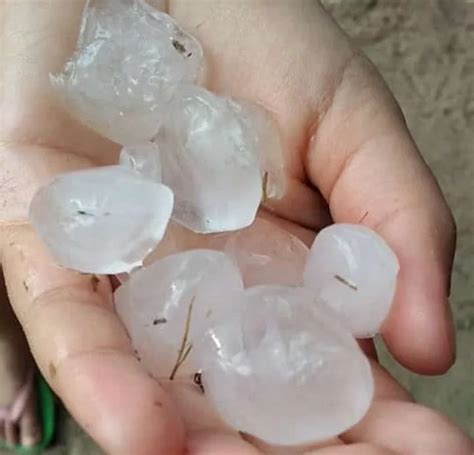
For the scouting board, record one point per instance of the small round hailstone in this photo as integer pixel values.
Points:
(284, 370)
(129, 61)
(354, 272)
(103, 220)
(163, 312)
(143, 159)
(209, 160)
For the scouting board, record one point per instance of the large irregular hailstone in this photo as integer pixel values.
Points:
(284, 370)
(354, 272)
(129, 61)
(209, 159)
(163, 312)
(143, 159)
(103, 220)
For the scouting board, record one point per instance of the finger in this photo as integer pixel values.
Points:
(209, 443)
(84, 352)
(410, 428)
(36, 45)
(294, 450)
(395, 422)
(30, 432)
(11, 433)
(366, 165)
(386, 387)
(353, 449)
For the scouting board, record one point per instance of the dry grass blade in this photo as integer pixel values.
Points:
(347, 283)
(184, 349)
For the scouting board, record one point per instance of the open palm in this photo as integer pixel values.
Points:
(349, 158)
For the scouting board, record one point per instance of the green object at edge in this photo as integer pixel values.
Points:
(47, 415)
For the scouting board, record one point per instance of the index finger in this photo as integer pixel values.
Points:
(84, 352)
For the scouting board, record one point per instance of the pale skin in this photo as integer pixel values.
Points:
(347, 148)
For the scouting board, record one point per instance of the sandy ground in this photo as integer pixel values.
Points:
(425, 50)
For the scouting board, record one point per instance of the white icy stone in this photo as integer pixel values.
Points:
(143, 159)
(283, 370)
(209, 160)
(354, 272)
(158, 302)
(103, 220)
(130, 59)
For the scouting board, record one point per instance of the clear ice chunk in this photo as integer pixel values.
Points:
(129, 61)
(103, 220)
(284, 370)
(161, 307)
(354, 272)
(143, 159)
(209, 160)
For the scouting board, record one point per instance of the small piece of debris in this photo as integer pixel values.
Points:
(198, 381)
(264, 187)
(347, 283)
(160, 321)
(185, 348)
(178, 46)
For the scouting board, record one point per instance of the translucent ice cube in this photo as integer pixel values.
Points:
(103, 220)
(209, 159)
(354, 272)
(129, 60)
(283, 372)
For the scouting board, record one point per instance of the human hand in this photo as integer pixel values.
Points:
(346, 146)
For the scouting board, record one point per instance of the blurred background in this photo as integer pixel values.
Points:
(425, 51)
